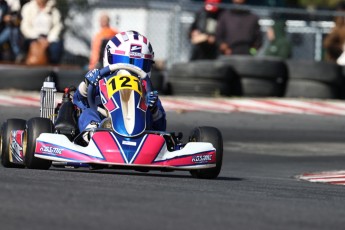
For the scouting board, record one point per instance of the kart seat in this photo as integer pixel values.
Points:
(66, 120)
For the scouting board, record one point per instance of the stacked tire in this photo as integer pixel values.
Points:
(68, 76)
(260, 76)
(17, 76)
(204, 78)
(157, 80)
(23, 77)
(310, 79)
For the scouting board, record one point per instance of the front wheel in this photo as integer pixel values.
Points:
(34, 127)
(5, 145)
(213, 136)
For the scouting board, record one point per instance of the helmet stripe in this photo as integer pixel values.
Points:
(116, 41)
(148, 56)
(124, 36)
(136, 35)
(120, 52)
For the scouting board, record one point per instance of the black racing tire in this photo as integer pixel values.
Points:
(192, 78)
(213, 136)
(34, 127)
(260, 76)
(7, 127)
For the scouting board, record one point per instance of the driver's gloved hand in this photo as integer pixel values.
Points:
(93, 76)
(151, 100)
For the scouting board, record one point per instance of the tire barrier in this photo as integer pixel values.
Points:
(23, 77)
(228, 76)
(204, 78)
(260, 77)
(157, 79)
(309, 79)
(31, 78)
(69, 76)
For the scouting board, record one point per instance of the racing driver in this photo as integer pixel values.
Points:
(119, 49)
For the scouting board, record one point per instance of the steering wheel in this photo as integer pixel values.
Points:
(111, 68)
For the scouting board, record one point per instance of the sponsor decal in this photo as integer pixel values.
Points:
(135, 51)
(51, 150)
(131, 143)
(201, 158)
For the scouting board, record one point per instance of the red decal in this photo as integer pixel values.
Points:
(150, 149)
(108, 147)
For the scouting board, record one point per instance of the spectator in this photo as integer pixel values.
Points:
(41, 21)
(4, 9)
(335, 40)
(9, 29)
(203, 31)
(14, 5)
(278, 45)
(238, 31)
(102, 36)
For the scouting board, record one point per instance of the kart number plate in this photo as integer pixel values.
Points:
(117, 83)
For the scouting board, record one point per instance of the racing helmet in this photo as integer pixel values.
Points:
(129, 47)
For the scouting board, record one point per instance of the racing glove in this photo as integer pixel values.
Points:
(93, 76)
(151, 100)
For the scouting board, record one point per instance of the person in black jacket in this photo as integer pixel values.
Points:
(238, 31)
(203, 31)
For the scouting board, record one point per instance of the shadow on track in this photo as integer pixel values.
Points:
(145, 174)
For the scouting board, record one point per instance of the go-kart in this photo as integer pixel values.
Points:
(121, 140)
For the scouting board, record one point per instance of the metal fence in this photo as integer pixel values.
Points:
(166, 24)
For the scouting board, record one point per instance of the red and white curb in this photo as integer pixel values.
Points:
(19, 100)
(254, 105)
(217, 105)
(331, 177)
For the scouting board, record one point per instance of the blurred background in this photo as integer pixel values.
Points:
(167, 22)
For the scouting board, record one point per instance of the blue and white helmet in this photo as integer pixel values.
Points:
(129, 47)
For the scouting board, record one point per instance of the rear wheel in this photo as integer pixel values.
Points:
(5, 145)
(34, 127)
(213, 136)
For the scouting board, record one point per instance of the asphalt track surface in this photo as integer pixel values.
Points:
(256, 189)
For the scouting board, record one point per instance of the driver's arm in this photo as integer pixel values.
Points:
(80, 96)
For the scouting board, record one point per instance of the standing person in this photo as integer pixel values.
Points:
(14, 5)
(9, 28)
(335, 40)
(4, 9)
(41, 21)
(203, 31)
(238, 31)
(105, 33)
(278, 44)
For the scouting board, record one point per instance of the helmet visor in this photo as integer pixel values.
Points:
(142, 63)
